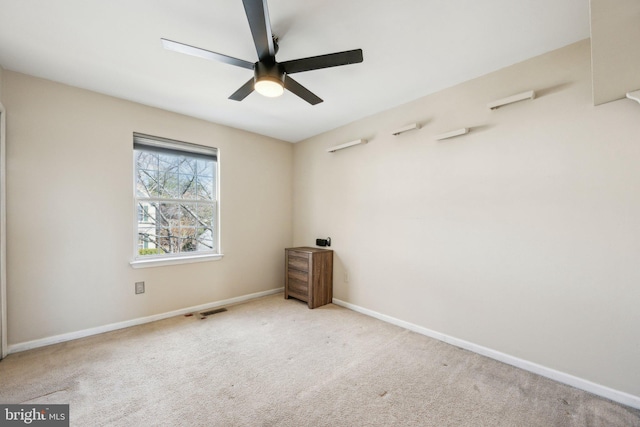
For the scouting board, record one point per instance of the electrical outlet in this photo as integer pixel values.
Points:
(346, 276)
(139, 287)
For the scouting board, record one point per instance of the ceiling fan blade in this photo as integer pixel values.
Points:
(323, 61)
(243, 92)
(301, 91)
(206, 54)
(258, 17)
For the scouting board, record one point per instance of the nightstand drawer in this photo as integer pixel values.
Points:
(298, 290)
(298, 281)
(298, 261)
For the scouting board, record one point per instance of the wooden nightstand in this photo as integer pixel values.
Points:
(309, 275)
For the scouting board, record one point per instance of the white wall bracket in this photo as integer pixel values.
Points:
(511, 99)
(635, 95)
(346, 145)
(407, 128)
(452, 134)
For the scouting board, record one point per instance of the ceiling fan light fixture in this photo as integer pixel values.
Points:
(269, 86)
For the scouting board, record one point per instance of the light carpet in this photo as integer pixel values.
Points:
(274, 362)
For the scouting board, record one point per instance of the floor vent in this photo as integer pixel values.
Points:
(204, 314)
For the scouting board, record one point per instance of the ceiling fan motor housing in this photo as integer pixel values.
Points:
(265, 71)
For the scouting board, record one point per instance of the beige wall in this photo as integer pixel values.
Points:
(70, 211)
(521, 236)
(615, 57)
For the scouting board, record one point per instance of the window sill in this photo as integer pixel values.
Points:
(159, 262)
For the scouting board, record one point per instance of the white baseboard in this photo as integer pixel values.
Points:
(28, 345)
(562, 377)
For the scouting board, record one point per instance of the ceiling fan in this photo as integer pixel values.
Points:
(270, 77)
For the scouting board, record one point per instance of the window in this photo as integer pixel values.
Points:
(176, 200)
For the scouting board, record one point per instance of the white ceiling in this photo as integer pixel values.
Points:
(411, 48)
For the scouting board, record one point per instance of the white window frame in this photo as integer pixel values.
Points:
(139, 261)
